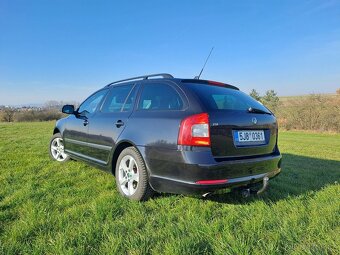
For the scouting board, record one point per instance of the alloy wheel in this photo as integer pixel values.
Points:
(57, 149)
(128, 175)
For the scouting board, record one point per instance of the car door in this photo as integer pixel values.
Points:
(76, 130)
(110, 120)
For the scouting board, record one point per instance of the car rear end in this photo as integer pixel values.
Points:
(231, 142)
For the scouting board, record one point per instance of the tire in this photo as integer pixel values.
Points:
(131, 176)
(56, 149)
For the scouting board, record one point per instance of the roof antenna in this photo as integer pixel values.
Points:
(198, 77)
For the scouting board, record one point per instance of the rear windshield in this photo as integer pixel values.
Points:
(222, 98)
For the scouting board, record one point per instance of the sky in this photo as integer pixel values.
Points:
(65, 50)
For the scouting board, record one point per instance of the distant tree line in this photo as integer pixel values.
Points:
(313, 112)
(7, 114)
(51, 110)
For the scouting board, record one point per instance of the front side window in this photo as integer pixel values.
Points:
(117, 98)
(91, 103)
(158, 96)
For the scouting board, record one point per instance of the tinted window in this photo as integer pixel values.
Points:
(116, 98)
(158, 96)
(221, 98)
(130, 100)
(90, 104)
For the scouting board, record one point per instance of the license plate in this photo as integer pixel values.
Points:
(250, 137)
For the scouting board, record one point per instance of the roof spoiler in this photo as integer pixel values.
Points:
(214, 83)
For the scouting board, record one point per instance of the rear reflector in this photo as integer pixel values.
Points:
(194, 130)
(212, 182)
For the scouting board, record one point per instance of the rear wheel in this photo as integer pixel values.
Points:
(131, 175)
(57, 148)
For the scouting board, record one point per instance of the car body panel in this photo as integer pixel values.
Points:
(103, 134)
(171, 167)
(75, 135)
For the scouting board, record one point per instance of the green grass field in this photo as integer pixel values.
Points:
(52, 208)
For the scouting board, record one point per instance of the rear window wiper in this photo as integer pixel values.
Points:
(255, 110)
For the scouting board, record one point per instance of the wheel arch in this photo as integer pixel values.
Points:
(118, 149)
(56, 130)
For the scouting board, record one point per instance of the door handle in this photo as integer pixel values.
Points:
(86, 122)
(119, 123)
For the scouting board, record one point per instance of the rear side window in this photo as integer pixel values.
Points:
(221, 98)
(116, 99)
(159, 96)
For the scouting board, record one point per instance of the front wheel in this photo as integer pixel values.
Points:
(57, 148)
(131, 175)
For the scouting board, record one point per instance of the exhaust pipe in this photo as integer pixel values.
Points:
(205, 195)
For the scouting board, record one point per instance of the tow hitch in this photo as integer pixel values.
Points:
(246, 192)
(264, 187)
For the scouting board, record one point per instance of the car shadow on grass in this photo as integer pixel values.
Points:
(300, 175)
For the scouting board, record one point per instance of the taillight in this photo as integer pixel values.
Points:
(194, 130)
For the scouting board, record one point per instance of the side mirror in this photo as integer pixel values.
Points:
(68, 109)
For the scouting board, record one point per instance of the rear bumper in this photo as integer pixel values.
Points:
(162, 184)
(178, 171)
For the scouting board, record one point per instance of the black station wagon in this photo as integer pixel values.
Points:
(157, 133)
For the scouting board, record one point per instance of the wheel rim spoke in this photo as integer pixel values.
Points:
(125, 166)
(135, 177)
(123, 181)
(130, 187)
(132, 164)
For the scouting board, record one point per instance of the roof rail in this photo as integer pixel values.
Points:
(144, 77)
